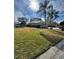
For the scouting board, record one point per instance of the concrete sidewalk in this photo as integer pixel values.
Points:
(56, 52)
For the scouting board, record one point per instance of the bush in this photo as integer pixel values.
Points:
(62, 25)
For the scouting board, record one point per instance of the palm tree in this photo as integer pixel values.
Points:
(43, 9)
(47, 10)
(52, 13)
(55, 14)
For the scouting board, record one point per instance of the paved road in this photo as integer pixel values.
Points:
(56, 52)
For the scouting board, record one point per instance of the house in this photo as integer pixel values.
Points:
(36, 22)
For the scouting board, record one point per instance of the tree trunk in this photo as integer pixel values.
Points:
(50, 21)
(46, 25)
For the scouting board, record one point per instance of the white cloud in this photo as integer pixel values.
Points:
(43, 19)
(58, 5)
(34, 5)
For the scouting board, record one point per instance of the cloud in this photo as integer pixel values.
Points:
(28, 8)
(34, 5)
(58, 4)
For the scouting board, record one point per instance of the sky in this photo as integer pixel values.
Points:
(28, 9)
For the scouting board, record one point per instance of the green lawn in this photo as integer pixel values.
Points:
(28, 42)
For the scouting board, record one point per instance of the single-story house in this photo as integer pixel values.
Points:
(36, 22)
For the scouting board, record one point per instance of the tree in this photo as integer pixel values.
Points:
(22, 21)
(43, 9)
(62, 25)
(55, 14)
(52, 13)
(47, 10)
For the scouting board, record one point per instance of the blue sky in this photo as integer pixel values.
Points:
(28, 8)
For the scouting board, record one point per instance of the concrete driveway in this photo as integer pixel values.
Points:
(56, 52)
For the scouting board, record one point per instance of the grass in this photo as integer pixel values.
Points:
(29, 42)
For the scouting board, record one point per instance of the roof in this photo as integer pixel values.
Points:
(35, 19)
